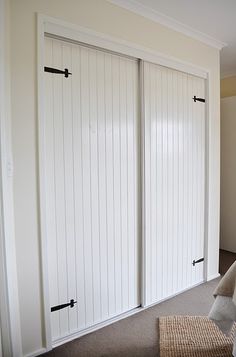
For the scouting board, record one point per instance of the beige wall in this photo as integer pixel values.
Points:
(228, 166)
(228, 174)
(9, 288)
(228, 87)
(104, 17)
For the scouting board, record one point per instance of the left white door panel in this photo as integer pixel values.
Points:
(91, 180)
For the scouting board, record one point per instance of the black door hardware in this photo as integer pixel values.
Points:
(198, 99)
(59, 307)
(197, 261)
(57, 71)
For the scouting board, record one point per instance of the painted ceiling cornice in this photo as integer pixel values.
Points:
(169, 22)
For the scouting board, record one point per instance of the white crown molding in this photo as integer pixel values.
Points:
(167, 21)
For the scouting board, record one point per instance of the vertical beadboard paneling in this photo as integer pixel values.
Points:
(78, 186)
(195, 181)
(153, 94)
(183, 181)
(201, 178)
(124, 176)
(176, 114)
(147, 168)
(190, 165)
(159, 184)
(134, 194)
(164, 207)
(101, 147)
(118, 168)
(170, 194)
(69, 188)
(109, 185)
(60, 199)
(174, 178)
(92, 168)
(50, 190)
(87, 210)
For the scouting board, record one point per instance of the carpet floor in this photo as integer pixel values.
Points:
(137, 335)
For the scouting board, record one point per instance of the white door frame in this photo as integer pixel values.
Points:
(9, 303)
(73, 33)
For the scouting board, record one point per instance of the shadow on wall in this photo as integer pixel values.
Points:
(226, 260)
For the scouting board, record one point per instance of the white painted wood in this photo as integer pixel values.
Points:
(112, 320)
(228, 174)
(9, 303)
(174, 181)
(56, 27)
(91, 167)
(5, 333)
(42, 188)
(1, 350)
(167, 21)
(59, 28)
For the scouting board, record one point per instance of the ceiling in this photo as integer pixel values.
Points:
(214, 18)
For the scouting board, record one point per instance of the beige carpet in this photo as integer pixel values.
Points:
(137, 335)
(192, 336)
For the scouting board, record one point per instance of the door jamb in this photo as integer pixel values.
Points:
(9, 302)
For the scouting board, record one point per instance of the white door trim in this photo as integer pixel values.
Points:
(9, 302)
(69, 32)
(77, 33)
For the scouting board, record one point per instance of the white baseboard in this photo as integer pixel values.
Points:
(100, 325)
(78, 334)
(214, 276)
(36, 353)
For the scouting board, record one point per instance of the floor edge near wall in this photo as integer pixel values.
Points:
(108, 322)
(212, 277)
(96, 327)
(36, 353)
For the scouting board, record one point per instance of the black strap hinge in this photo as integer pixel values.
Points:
(197, 261)
(198, 99)
(57, 71)
(59, 307)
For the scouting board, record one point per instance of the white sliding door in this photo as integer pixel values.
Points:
(174, 181)
(92, 183)
(91, 159)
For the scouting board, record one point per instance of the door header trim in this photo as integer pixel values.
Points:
(64, 30)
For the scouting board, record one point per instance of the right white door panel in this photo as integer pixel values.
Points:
(174, 162)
